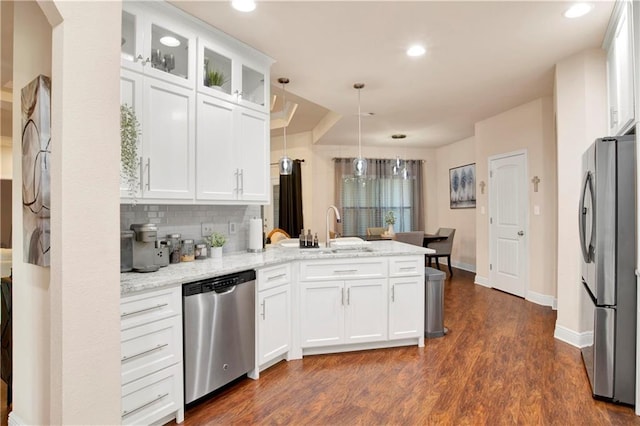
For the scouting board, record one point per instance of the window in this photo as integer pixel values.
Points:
(365, 201)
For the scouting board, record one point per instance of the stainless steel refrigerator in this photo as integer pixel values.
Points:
(607, 222)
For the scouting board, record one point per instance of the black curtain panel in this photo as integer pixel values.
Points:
(291, 201)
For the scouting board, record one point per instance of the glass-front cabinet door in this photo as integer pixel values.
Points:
(156, 45)
(230, 76)
(253, 93)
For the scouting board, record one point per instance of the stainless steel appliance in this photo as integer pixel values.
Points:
(126, 251)
(607, 237)
(144, 247)
(219, 332)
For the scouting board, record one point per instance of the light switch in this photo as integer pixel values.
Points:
(536, 210)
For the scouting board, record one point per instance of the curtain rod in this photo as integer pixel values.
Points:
(374, 159)
(275, 164)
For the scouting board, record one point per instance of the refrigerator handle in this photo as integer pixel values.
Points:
(582, 217)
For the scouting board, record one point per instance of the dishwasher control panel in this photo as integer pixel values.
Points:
(217, 284)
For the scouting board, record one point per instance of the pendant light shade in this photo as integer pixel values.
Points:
(399, 168)
(359, 164)
(286, 163)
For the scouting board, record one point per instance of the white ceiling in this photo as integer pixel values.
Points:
(482, 58)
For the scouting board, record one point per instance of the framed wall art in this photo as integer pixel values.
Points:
(462, 187)
(36, 170)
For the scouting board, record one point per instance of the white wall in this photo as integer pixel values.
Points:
(66, 317)
(530, 127)
(580, 104)
(463, 254)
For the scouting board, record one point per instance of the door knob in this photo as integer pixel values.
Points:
(521, 233)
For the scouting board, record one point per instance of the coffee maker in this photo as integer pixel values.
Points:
(144, 247)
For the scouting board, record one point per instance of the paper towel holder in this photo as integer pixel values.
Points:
(256, 240)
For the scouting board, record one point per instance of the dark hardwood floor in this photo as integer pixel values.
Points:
(499, 364)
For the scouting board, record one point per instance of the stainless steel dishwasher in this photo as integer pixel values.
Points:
(219, 332)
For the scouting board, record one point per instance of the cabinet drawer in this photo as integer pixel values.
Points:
(153, 397)
(147, 307)
(331, 269)
(273, 276)
(150, 347)
(406, 265)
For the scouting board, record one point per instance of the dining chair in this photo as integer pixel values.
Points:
(442, 248)
(375, 231)
(413, 237)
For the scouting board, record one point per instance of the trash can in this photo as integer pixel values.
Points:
(434, 303)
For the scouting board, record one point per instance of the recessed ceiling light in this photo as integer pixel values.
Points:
(578, 10)
(170, 41)
(243, 5)
(416, 50)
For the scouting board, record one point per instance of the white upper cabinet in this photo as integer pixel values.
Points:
(209, 148)
(157, 45)
(620, 81)
(232, 76)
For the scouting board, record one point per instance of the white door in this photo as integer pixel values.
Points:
(253, 155)
(322, 313)
(131, 95)
(365, 302)
(274, 324)
(406, 302)
(169, 141)
(508, 206)
(215, 150)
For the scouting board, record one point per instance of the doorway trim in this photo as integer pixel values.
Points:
(491, 233)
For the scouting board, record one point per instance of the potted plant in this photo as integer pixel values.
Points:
(215, 241)
(129, 133)
(215, 78)
(390, 220)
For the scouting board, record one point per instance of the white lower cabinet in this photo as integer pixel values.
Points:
(273, 314)
(151, 346)
(341, 312)
(405, 307)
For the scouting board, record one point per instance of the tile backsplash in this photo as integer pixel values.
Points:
(187, 220)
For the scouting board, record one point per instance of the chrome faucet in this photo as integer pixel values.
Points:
(335, 209)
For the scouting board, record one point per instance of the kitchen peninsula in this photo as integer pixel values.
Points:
(307, 301)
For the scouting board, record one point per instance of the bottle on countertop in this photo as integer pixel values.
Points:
(315, 240)
(301, 238)
(309, 239)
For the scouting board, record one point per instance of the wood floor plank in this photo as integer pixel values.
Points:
(498, 365)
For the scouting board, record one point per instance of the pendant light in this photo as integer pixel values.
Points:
(359, 164)
(399, 168)
(286, 164)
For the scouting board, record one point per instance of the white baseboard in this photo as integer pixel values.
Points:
(14, 420)
(542, 299)
(464, 266)
(579, 340)
(483, 281)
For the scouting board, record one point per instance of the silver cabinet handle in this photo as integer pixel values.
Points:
(126, 314)
(264, 310)
(149, 174)
(393, 293)
(344, 271)
(146, 404)
(348, 296)
(407, 268)
(140, 166)
(342, 296)
(242, 181)
(237, 181)
(275, 277)
(128, 357)
(520, 233)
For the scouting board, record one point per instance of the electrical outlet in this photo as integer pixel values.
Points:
(232, 228)
(207, 229)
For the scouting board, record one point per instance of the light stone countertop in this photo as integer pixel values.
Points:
(180, 273)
